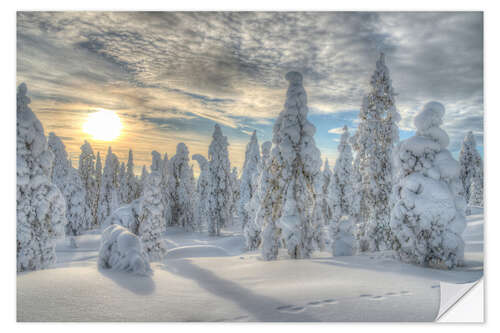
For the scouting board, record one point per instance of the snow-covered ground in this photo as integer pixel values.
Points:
(212, 279)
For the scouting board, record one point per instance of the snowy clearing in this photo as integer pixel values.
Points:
(211, 279)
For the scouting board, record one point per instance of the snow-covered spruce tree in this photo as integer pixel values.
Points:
(324, 193)
(131, 183)
(249, 180)
(88, 175)
(235, 193)
(108, 198)
(142, 180)
(428, 220)
(40, 205)
(288, 207)
(98, 181)
(342, 221)
(253, 229)
(181, 185)
(122, 184)
(202, 192)
(166, 191)
(373, 142)
(219, 198)
(68, 181)
(470, 163)
(151, 220)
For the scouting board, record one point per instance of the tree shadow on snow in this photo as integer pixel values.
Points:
(138, 284)
(261, 307)
(472, 270)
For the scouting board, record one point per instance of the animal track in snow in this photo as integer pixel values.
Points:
(284, 307)
(377, 298)
(329, 301)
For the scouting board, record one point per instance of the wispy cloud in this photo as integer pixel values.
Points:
(171, 76)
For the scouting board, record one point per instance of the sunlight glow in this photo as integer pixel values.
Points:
(103, 125)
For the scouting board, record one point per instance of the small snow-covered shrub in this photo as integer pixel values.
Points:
(343, 241)
(121, 250)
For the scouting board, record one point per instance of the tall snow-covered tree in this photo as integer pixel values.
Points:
(40, 204)
(202, 192)
(373, 142)
(88, 175)
(131, 183)
(289, 205)
(235, 193)
(108, 199)
(253, 229)
(151, 221)
(98, 180)
(428, 217)
(219, 198)
(342, 190)
(166, 191)
(142, 180)
(182, 187)
(249, 180)
(470, 164)
(324, 193)
(122, 184)
(68, 181)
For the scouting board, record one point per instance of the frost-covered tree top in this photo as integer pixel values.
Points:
(86, 162)
(144, 174)
(41, 206)
(292, 132)
(61, 164)
(428, 121)
(156, 162)
(288, 207)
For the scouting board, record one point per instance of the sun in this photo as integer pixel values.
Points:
(103, 125)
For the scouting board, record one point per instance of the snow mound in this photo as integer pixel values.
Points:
(196, 251)
(122, 250)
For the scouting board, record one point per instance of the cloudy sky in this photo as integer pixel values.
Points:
(171, 76)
